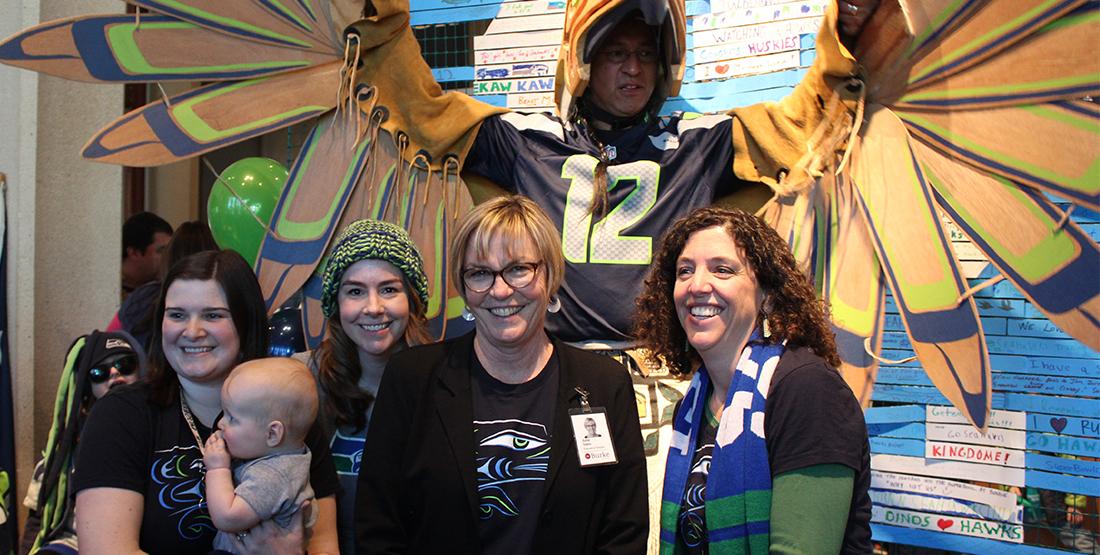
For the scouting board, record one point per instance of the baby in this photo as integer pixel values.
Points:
(269, 404)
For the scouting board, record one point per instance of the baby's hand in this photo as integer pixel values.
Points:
(217, 453)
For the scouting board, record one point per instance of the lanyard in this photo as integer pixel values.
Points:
(191, 423)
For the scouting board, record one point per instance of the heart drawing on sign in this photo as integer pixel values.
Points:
(722, 68)
(945, 523)
(1058, 424)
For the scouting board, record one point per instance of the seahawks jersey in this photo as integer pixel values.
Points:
(658, 172)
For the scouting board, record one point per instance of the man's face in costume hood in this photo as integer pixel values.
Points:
(624, 88)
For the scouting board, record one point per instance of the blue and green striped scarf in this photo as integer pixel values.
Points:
(739, 485)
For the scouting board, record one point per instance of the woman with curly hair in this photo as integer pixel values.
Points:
(374, 296)
(769, 450)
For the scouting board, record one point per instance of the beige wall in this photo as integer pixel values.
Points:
(64, 219)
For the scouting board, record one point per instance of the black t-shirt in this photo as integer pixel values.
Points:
(130, 444)
(811, 417)
(513, 425)
(692, 526)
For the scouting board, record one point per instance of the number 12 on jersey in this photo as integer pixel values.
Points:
(602, 242)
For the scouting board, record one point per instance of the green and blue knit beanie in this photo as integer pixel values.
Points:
(372, 239)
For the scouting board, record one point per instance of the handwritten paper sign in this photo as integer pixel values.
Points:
(512, 55)
(746, 66)
(748, 48)
(1006, 475)
(951, 524)
(531, 101)
(965, 433)
(505, 71)
(974, 453)
(927, 503)
(529, 23)
(943, 488)
(734, 18)
(518, 40)
(997, 418)
(535, 7)
(514, 86)
(748, 33)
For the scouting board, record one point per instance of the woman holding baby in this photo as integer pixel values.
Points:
(139, 485)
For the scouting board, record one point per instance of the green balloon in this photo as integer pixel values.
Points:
(258, 182)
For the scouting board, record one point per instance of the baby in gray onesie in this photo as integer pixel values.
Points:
(269, 404)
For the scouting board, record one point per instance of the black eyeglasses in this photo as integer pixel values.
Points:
(125, 364)
(480, 280)
(618, 55)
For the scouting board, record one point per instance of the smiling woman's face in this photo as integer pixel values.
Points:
(716, 294)
(508, 316)
(199, 339)
(374, 307)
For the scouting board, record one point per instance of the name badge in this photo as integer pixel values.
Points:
(595, 446)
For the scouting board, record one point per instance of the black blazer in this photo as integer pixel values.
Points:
(417, 490)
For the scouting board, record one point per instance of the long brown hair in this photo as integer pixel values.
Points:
(339, 371)
(796, 316)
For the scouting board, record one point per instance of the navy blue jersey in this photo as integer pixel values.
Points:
(658, 172)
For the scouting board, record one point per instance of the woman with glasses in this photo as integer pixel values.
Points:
(95, 364)
(478, 444)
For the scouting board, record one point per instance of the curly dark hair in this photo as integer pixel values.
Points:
(796, 316)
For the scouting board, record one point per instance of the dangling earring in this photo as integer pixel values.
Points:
(555, 305)
(767, 329)
(467, 315)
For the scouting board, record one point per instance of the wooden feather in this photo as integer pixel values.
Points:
(1055, 265)
(305, 25)
(919, 265)
(214, 116)
(119, 49)
(1055, 147)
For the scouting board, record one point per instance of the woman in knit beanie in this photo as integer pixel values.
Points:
(374, 295)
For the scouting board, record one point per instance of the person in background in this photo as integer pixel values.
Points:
(477, 443)
(769, 448)
(144, 236)
(139, 485)
(269, 405)
(374, 294)
(135, 316)
(95, 364)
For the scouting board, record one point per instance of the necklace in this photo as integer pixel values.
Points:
(191, 423)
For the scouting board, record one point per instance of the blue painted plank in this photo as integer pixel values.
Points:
(1005, 289)
(1047, 366)
(884, 415)
(1063, 445)
(994, 326)
(715, 105)
(924, 395)
(897, 355)
(1034, 346)
(453, 15)
(897, 446)
(1058, 406)
(446, 74)
(806, 58)
(1073, 467)
(954, 542)
(423, 5)
(729, 87)
(1092, 230)
(1062, 482)
(905, 430)
(1008, 363)
(1035, 328)
(896, 340)
(901, 375)
(1069, 425)
(1050, 385)
(696, 7)
(1012, 308)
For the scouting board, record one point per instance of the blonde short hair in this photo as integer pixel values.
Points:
(514, 219)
